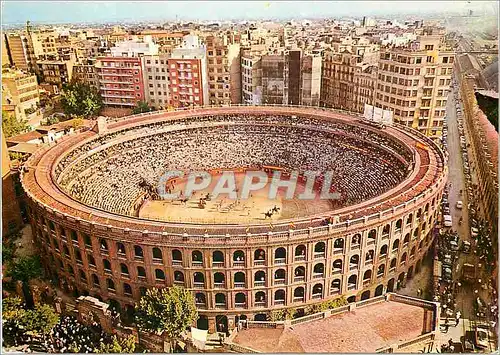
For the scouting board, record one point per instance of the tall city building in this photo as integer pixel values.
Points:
(349, 75)
(156, 81)
(86, 72)
(188, 75)
(310, 89)
(224, 73)
(56, 72)
(20, 96)
(414, 82)
(251, 76)
(17, 49)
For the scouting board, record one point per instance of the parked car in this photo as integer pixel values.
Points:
(466, 247)
(447, 220)
(474, 232)
(459, 204)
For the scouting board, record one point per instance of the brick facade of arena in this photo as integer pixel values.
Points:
(370, 249)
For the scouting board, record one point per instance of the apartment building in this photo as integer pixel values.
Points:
(121, 74)
(17, 49)
(414, 81)
(44, 43)
(224, 73)
(156, 80)
(251, 77)
(20, 95)
(310, 89)
(5, 53)
(188, 75)
(121, 80)
(86, 72)
(56, 72)
(349, 74)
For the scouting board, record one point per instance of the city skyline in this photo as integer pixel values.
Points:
(45, 12)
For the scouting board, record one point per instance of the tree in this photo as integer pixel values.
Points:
(169, 310)
(41, 320)
(79, 99)
(142, 106)
(11, 126)
(118, 345)
(26, 268)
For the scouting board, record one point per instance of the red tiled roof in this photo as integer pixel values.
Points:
(363, 330)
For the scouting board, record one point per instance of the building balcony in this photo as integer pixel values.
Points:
(116, 89)
(300, 258)
(239, 285)
(197, 263)
(120, 96)
(239, 263)
(353, 266)
(355, 246)
(298, 299)
(336, 271)
(177, 262)
(115, 74)
(338, 251)
(279, 302)
(279, 281)
(201, 305)
(351, 286)
(240, 305)
(259, 283)
(318, 275)
(219, 285)
(299, 279)
(279, 261)
(319, 255)
(260, 304)
(220, 306)
(259, 262)
(316, 296)
(334, 291)
(218, 264)
(199, 284)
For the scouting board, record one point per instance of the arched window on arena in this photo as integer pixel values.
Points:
(200, 299)
(420, 245)
(86, 240)
(351, 281)
(176, 255)
(199, 279)
(83, 277)
(107, 265)
(419, 214)
(127, 289)
(337, 266)
(356, 240)
(260, 298)
(159, 274)
(424, 225)
(138, 252)
(70, 270)
(280, 256)
(157, 255)
(354, 262)
(218, 257)
(369, 256)
(239, 279)
(52, 226)
(111, 285)
(383, 250)
(95, 280)
(426, 210)
(298, 294)
(415, 233)
(319, 270)
(412, 252)
(143, 290)
(259, 255)
(279, 297)
(240, 299)
(219, 279)
(66, 251)
(380, 270)
(197, 257)
(338, 244)
(120, 248)
(103, 245)
(395, 245)
(141, 272)
(335, 287)
(78, 256)
(178, 276)
(300, 252)
(299, 273)
(220, 299)
(238, 255)
(372, 235)
(403, 258)
(91, 260)
(399, 224)
(279, 275)
(406, 239)
(386, 230)
(63, 233)
(393, 263)
(409, 219)
(124, 269)
(259, 278)
(319, 249)
(317, 291)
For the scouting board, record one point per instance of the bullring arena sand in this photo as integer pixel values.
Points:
(226, 210)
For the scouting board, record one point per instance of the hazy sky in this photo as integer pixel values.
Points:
(100, 11)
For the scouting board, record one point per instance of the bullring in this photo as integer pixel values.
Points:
(93, 241)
